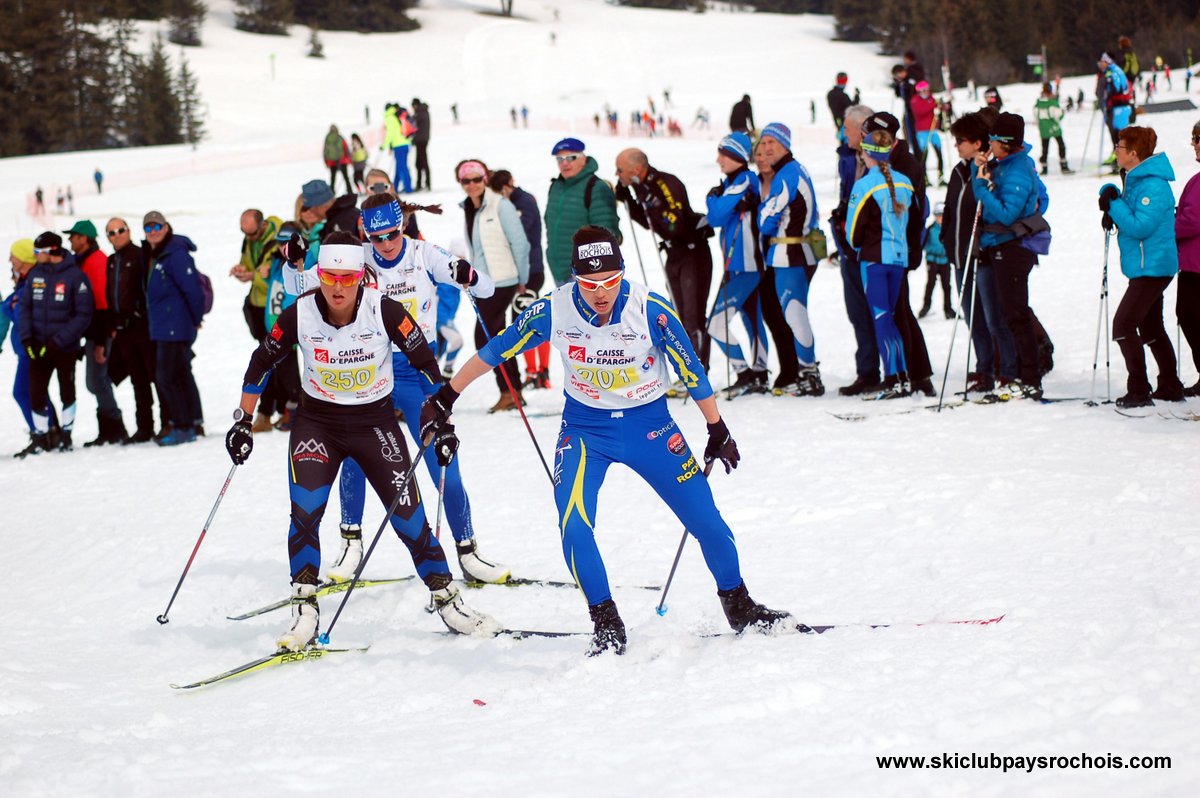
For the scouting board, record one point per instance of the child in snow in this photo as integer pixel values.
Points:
(938, 266)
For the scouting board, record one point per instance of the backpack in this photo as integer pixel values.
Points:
(333, 147)
(206, 287)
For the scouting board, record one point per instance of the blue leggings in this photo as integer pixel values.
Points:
(21, 395)
(735, 297)
(792, 285)
(402, 176)
(647, 440)
(408, 396)
(882, 282)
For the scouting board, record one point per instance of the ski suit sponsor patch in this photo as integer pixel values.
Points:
(310, 450)
(676, 444)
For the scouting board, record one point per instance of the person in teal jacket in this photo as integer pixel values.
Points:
(578, 197)
(1144, 215)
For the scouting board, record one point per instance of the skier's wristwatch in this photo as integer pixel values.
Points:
(240, 415)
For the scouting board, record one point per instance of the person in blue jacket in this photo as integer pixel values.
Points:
(786, 217)
(877, 227)
(1009, 190)
(22, 259)
(55, 311)
(616, 412)
(1145, 218)
(938, 266)
(733, 209)
(175, 306)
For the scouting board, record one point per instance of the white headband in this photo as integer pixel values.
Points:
(341, 256)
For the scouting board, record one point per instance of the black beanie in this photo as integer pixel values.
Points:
(594, 249)
(1009, 128)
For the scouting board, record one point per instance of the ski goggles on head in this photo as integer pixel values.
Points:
(344, 280)
(609, 283)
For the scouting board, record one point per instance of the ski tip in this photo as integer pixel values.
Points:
(323, 638)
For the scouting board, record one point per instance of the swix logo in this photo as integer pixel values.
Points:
(321, 355)
(312, 450)
(276, 332)
(578, 353)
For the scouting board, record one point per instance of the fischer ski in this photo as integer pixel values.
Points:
(893, 412)
(997, 398)
(807, 629)
(278, 658)
(523, 582)
(323, 589)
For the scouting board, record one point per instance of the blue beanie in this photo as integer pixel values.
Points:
(779, 132)
(568, 145)
(316, 192)
(737, 146)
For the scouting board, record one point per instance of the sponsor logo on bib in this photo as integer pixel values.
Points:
(577, 353)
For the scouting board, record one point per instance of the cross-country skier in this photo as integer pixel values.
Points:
(616, 412)
(346, 332)
(409, 271)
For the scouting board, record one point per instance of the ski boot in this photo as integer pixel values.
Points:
(475, 568)
(352, 551)
(609, 634)
(862, 385)
(743, 612)
(742, 385)
(1065, 168)
(980, 383)
(809, 382)
(460, 618)
(38, 442)
(924, 386)
(895, 386)
(64, 441)
(1170, 389)
(1045, 169)
(306, 618)
(1132, 399)
(543, 379)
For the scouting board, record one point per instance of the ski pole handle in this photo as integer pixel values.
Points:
(162, 619)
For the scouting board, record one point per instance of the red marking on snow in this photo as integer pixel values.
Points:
(479, 703)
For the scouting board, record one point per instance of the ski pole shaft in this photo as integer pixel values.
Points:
(212, 514)
(1099, 324)
(401, 492)
(512, 391)
(636, 247)
(437, 530)
(661, 609)
(961, 308)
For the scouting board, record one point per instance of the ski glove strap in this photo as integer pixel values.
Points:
(435, 413)
(445, 445)
(239, 442)
(721, 446)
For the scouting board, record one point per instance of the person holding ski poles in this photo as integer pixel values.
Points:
(616, 412)
(733, 209)
(346, 331)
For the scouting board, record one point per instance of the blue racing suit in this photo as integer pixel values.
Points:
(734, 212)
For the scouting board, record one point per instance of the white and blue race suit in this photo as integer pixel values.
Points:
(733, 212)
(616, 379)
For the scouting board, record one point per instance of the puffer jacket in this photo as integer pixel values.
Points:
(1145, 219)
(56, 306)
(1187, 226)
(1016, 192)
(566, 213)
(174, 298)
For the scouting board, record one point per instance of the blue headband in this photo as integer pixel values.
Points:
(383, 217)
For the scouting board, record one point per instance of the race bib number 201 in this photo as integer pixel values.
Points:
(614, 379)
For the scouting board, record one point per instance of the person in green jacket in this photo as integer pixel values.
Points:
(1048, 113)
(398, 130)
(577, 198)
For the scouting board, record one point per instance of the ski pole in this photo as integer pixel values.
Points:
(323, 638)
(1088, 140)
(636, 247)
(961, 311)
(163, 618)
(661, 609)
(512, 391)
(437, 530)
(1100, 314)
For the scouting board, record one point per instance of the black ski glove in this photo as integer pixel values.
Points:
(293, 250)
(716, 191)
(239, 442)
(435, 413)
(1107, 195)
(35, 351)
(445, 445)
(463, 273)
(622, 193)
(1106, 222)
(721, 446)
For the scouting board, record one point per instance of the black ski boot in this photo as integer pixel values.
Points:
(64, 441)
(609, 634)
(38, 443)
(742, 611)
(1066, 168)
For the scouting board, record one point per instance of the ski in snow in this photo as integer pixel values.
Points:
(278, 658)
(997, 398)
(323, 589)
(901, 411)
(1149, 412)
(522, 582)
(807, 629)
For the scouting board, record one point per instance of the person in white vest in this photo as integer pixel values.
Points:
(345, 332)
(616, 338)
(500, 250)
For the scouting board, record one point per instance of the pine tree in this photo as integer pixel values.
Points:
(364, 15)
(186, 18)
(155, 108)
(124, 68)
(191, 111)
(264, 16)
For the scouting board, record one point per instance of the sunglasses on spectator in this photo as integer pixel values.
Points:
(117, 232)
(380, 237)
(595, 285)
(466, 181)
(345, 280)
(567, 158)
(152, 228)
(42, 250)
(379, 188)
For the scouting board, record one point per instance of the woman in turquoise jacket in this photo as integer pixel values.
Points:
(1145, 218)
(877, 223)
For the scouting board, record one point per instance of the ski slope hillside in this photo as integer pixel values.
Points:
(1077, 524)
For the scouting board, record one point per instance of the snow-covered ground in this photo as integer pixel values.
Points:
(1076, 523)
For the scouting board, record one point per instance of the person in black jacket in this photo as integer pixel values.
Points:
(916, 355)
(55, 313)
(340, 214)
(839, 101)
(537, 360)
(742, 116)
(421, 141)
(133, 352)
(658, 201)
